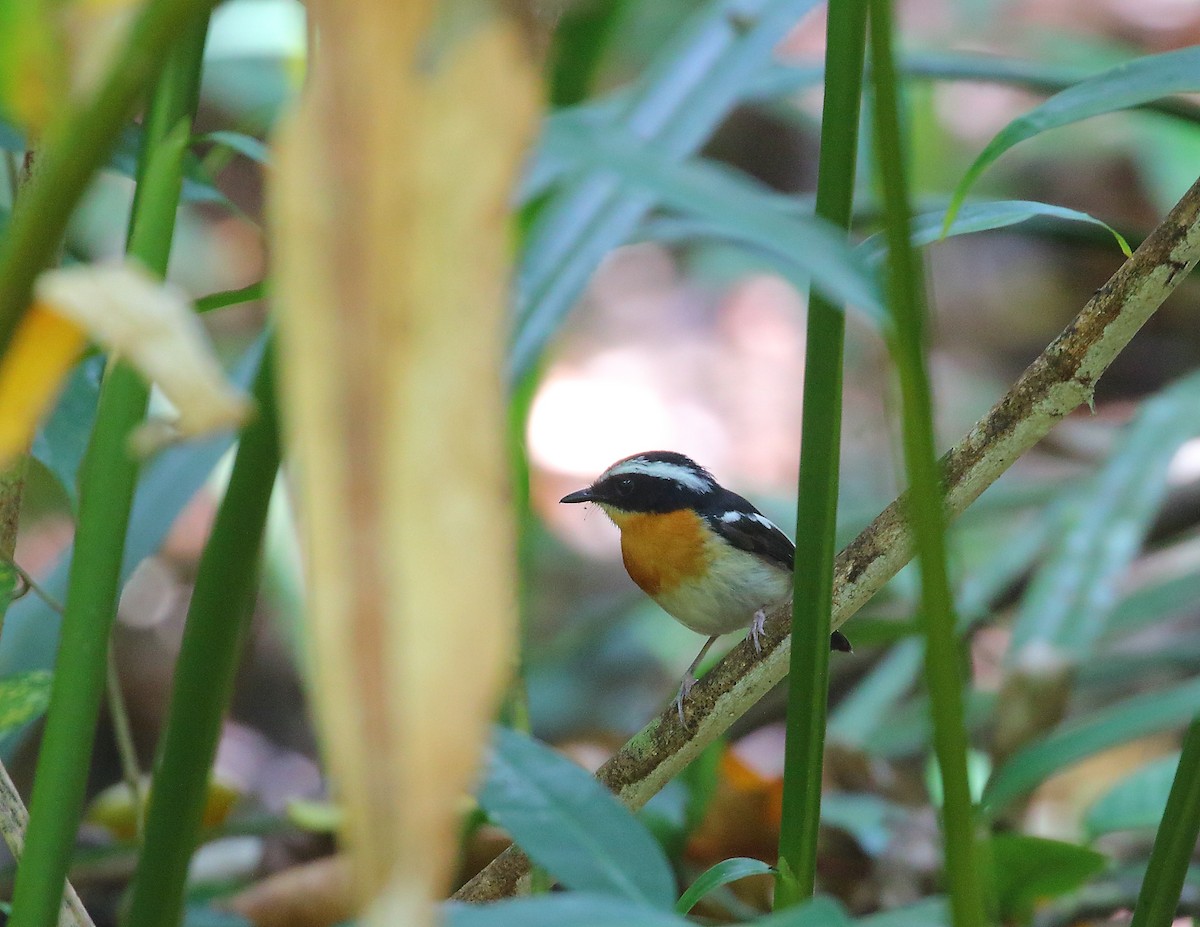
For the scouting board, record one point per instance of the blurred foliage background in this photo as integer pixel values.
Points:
(1077, 576)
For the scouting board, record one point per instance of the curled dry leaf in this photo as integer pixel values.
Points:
(151, 325)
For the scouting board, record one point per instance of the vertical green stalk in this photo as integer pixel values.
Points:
(1175, 841)
(943, 674)
(76, 147)
(820, 451)
(107, 480)
(219, 614)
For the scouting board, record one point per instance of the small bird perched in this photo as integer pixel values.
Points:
(707, 556)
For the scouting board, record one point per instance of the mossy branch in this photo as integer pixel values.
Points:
(1062, 378)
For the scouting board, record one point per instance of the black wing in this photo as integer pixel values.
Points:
(748, 529)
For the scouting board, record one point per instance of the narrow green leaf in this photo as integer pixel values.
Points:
(23, 697)
(928, 228)
(1127, 85)
(1135, 717)
(1070, 599)
(1134, 803)
(743, 209)
(870, 704)
(1026, 870)
(869, 819)
(724, 872)
(249, 146)
(1175, 842)
(569, 909)
(686, 92)
(571, 825)
(246, 294)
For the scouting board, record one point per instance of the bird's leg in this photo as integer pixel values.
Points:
(758, 627)
(689, 678)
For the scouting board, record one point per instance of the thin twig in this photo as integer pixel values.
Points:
(1058, 381)
(123, 735)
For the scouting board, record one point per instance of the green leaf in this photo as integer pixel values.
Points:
(23, 697)
(570, 825)
(1134, 803)
(685, 93)
(1027, 870)
(1127, 85)
(63, 438)
(1135, 717)
(1068, 603)
(249, 146)
(740, 208)
(928, 912)
(928, 228)
(724, 872)
(869, 705)
(569, 909)
(246, 294)
(821, 911)
(867, 818)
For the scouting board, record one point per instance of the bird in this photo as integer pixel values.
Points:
(707, 556)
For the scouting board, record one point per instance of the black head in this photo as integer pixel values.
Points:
(654, 481)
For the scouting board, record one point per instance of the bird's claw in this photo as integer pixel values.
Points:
(685, 688)
(758, 627)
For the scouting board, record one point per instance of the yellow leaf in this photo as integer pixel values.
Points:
(44, 348)
(115, 810)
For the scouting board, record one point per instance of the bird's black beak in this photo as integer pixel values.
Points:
(582, 495)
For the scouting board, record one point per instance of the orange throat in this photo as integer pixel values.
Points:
(661, 551)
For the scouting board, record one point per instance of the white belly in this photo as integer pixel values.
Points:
(737, 585)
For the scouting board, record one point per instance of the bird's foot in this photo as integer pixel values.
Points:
(685, 688)
(758, 627)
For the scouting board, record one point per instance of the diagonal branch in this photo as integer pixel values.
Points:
(1059, 380)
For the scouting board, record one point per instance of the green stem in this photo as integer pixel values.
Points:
(76, 146)
(1175, 841)
(108, 474)
(925, 505)
(219, 615)
(820, 451)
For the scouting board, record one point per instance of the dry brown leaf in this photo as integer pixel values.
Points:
(315, 894)
(391, 213)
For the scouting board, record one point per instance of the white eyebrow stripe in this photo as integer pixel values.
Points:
(664, 471)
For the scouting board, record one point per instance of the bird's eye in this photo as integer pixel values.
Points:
(624, 486)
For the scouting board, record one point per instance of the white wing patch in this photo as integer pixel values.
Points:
(666, 471)
(732, 516)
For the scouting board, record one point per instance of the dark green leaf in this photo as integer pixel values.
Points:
(570, 825)
(246, 294)
(724, 872)
(1135, 717)
(1134, 803)
(569, 909)
(1027, 870)
(1130, 84)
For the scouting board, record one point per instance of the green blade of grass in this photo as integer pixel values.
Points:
(925, 507)
(108, 477)
(820, 457)
(218, 617)
(1127, 85)
(1175, 841)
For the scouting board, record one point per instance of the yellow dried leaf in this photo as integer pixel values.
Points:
(151, 325)
(44, 348)
(115, 808)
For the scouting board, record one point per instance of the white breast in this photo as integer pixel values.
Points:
(737, 585)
